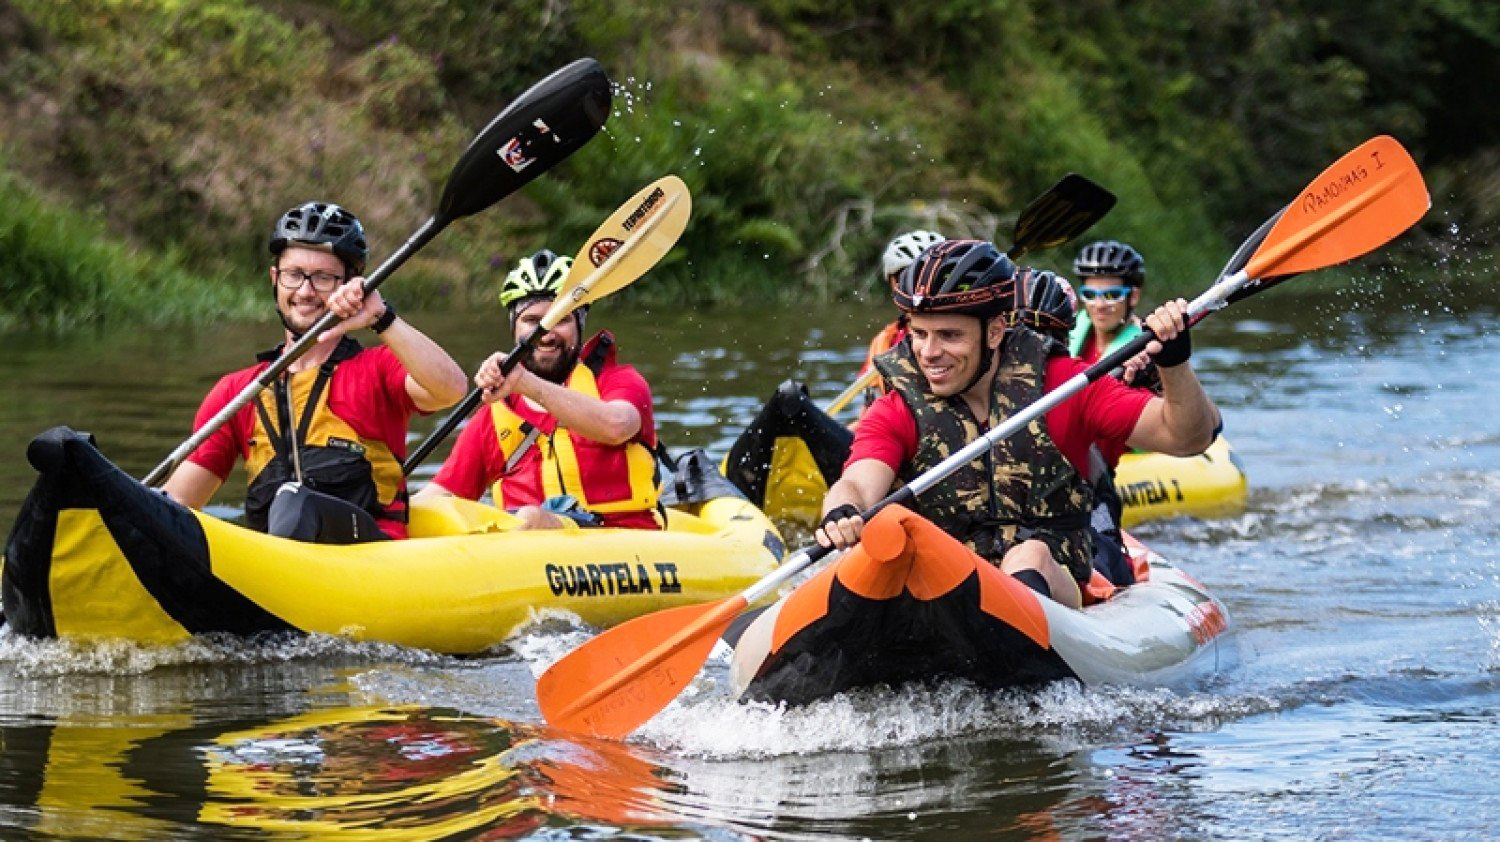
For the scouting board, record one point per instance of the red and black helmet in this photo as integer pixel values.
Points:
(1045, 302)
(958, 277)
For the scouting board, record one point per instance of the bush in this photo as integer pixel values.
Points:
(61, 269)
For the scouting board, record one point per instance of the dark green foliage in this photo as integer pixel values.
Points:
(59, 268)
(810, 132)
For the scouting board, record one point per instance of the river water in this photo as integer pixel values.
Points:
(1364, 582)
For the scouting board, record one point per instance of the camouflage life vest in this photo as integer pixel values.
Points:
(1022, 488)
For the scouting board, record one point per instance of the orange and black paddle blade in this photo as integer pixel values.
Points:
(612, 684)
(1360, 203)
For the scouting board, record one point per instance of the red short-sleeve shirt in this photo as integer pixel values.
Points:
(367, 391)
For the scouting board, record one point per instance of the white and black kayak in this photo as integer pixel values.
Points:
(911, 604)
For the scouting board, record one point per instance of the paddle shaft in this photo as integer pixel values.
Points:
(471, 401)
(865, 380)
(413, 244)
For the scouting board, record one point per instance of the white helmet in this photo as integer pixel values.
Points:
(906, 248)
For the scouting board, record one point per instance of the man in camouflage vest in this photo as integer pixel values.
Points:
(1023, 505)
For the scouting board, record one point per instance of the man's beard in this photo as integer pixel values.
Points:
(556, 371)
(291, 328)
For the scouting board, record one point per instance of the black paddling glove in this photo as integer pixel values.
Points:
(838, 513)
(1175, 351)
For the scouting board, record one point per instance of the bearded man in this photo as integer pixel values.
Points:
(569, 432)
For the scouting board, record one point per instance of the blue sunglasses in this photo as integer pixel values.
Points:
(1108, 294)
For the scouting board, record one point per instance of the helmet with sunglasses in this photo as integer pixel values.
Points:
(1045, 302)
(538, 276)
(906, 248)
(322, 224)
(958, 277)
(1111, 259)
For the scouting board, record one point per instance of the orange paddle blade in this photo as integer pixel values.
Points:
(1376, 187)
(612, 684)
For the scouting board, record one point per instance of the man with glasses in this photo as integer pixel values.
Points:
(337, 421)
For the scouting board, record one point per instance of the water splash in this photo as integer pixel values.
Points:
(30, 658)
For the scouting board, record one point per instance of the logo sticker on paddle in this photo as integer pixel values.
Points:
(602, 249)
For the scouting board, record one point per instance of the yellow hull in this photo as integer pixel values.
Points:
(95, 555)
(1151, 486)
(1155, 486)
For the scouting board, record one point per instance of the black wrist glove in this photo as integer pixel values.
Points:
(838, 513)
(1175, 351)
(386, 319)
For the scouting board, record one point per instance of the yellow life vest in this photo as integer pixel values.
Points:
(605, 479)
(335, 459)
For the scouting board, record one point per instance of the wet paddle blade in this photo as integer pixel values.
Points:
(1361, 202)
(1242, 256)
(1070, 208)
(612, 684)
(543, 126)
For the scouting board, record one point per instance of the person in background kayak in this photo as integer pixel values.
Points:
(1025, 505)
(790, 411)
(338, 420)
(899, 253)
(569, 433)
(1111, 275)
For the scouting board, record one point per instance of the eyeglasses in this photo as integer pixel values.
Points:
(1108, 293)
(295, 278)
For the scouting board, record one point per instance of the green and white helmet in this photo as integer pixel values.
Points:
(538, 276)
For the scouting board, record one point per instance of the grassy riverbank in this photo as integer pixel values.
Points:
(154, 141)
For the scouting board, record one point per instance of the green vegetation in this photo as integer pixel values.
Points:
(61, 269)
(161, 137)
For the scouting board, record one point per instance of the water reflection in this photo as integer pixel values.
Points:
(1365, 578)
(362, 772)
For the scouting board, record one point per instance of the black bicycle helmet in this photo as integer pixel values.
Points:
(1046, 303)
(1111, 259)
(960, 277)
(323, 224)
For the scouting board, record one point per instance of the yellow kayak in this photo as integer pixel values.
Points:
(95, 554)
(1152, 485)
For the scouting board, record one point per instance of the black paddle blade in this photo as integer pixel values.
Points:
(1070, 208)
(1242, 256)
(543, 126)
